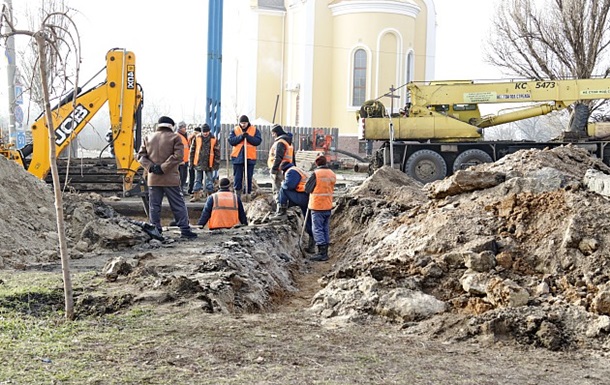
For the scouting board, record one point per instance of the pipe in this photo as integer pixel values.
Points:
(362, 167)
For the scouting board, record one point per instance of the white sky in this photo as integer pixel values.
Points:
(169, 39)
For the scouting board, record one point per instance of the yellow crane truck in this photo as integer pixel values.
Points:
(124, 97)
(440, 129)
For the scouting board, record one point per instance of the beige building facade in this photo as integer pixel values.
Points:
(312, 63)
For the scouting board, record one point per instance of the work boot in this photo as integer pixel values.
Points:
(173, 223)
(188, 234)
(322, 254)
(280, 211)
(197, 195)
(311, 246)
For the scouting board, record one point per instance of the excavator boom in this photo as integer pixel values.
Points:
(124, 97)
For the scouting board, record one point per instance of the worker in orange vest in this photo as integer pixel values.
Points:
(244, 138)
(191, 167)
(292, 193)
(281, 151)
(183, 168)
(321, 186)
(205, 157)
(223, 209)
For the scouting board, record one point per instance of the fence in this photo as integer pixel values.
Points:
(302, 139)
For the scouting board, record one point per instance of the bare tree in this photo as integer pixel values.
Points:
(28, 63)
(57, 42)
(551, 39)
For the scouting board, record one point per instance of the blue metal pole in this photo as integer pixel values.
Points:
(214, 75)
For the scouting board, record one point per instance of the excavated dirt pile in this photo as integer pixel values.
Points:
(29, 222)
(245, 269)
(515, 250)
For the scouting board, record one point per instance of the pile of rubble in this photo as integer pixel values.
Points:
(511, 250)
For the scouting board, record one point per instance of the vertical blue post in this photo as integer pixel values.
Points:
(214, 76)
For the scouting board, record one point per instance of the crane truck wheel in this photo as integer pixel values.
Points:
(471, 158)
(426, 166)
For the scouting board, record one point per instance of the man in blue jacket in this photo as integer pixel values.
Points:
(292, 193)
(244, 138)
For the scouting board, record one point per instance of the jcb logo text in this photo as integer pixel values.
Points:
(62, 133)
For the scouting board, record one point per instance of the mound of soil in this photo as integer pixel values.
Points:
(516, 249)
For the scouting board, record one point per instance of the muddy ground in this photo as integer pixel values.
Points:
(505, 263)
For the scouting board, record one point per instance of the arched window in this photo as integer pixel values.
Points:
(359, 80)
(410, 67)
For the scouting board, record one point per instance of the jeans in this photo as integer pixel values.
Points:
(209, 180)
(320, 221)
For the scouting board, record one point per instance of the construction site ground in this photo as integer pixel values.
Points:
(498, 274)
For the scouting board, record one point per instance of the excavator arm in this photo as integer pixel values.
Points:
(124, 98)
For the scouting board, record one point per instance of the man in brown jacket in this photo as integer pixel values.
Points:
(160, 155)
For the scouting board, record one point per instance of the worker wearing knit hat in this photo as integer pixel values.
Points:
(244, 138)
(281, 151)
(321, 186)
(197, 129)
(223, 209)
(278, 130)
(160, 155)
(225, 184)
(166, 121)
(205, 158)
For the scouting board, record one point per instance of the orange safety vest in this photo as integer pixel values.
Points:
(225, 212)
(301, 186)
(251, 153)
(187, 148)
(321, 198)
(288, 154)
(198, 144)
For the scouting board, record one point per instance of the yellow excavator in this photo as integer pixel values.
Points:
(440, 129)
(125, 100)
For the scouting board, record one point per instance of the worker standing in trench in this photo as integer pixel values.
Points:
(292, 193)
(223, 209)
(321, 186)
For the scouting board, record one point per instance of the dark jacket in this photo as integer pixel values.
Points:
(204, 154)
(280, 151)
(292, 178)
(166, 149)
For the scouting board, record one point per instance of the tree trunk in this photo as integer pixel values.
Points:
(59, 210)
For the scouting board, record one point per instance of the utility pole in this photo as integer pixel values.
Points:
(392, 96)
(214, 76)
(11, 70)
